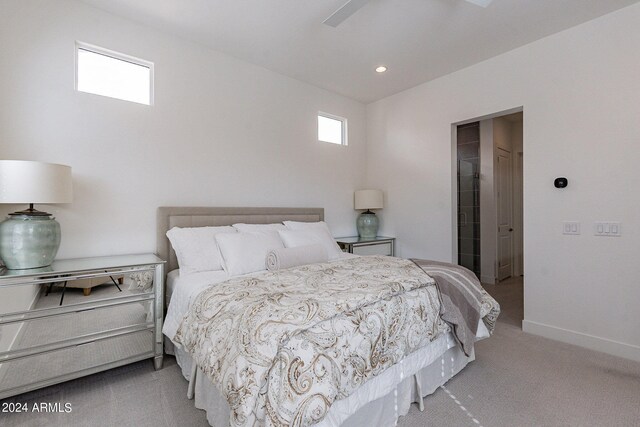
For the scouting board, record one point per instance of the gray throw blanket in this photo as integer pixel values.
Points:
(462, 300)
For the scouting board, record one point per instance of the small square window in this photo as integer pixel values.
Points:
(332, 129)
(103, 72)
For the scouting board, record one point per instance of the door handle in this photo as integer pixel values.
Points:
(510, 230)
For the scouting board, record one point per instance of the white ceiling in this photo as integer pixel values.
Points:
(418, 40)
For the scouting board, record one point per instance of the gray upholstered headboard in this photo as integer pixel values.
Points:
(186, 216)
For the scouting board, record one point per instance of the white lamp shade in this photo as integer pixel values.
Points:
(24, 181)
(367, 199)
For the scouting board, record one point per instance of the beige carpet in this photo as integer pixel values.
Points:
(516, 380)
(524, 380)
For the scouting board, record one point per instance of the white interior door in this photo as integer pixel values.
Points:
(504, 185)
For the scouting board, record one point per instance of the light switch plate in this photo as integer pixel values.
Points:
(571, 227)
(607, 229)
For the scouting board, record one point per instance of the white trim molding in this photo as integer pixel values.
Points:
(615, 348)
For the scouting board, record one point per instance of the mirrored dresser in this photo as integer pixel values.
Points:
(51, 331)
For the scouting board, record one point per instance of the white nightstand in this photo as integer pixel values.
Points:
(379, 245)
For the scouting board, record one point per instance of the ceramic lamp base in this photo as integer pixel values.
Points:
(28, 241)
(367, 225)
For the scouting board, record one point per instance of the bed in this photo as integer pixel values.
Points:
(377, 398)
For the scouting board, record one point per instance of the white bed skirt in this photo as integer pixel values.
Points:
(378, 402)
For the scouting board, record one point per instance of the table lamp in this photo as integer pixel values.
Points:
(31, 238)
(367, 222)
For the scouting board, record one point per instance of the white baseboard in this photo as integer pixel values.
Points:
(615, 348)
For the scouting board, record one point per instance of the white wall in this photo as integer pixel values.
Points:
(579, 90)
(518, 232)
(221, 133)
(488, 207)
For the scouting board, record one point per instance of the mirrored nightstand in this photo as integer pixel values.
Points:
(46, 339)
(379, 245)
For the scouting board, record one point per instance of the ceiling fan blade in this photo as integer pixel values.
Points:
(481, 3)
(348, 9)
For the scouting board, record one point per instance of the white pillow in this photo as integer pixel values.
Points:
(259, 227)
(196, 247)
(332, 248)
(311, 236)
(246, 252)
(298, 225)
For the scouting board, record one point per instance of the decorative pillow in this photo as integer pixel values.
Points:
(311, 236)
(279, 259)
(259, 227)
(196, 247)
(246, 252)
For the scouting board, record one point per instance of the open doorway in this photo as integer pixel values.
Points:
(489, 194)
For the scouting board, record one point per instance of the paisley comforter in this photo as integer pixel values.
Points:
(282, 346)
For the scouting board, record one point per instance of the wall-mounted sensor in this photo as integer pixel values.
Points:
(561, 182)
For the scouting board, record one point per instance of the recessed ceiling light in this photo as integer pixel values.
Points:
(381, 69)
